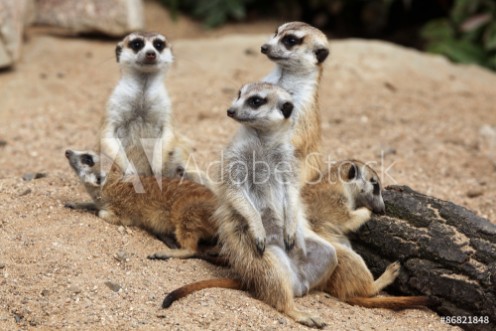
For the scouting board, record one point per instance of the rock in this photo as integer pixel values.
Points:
(12, 21)
(121, 256)
(33, 175)
(2, 265)
(474, 193)
(74, 289)
(25, 192)
(113, 286)
(3, 143)
(45, 293)
(110, 17)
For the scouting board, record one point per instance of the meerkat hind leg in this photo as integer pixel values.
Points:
(88, 206)
(388, 277)
(168, 253)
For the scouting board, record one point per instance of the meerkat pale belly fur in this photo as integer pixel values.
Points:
(138, 129)
(262, 226)
(168, 206)
(299, 50)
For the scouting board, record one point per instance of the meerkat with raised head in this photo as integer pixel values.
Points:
(299, 51)
(138, 129)
(168, 206)
(338, 204)
(262, 226)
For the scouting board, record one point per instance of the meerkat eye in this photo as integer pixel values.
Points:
(255, 102)
(136, 44)
(87, 159)
(159, 44)
(291, 40)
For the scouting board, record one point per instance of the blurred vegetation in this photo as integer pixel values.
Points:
(462, 30)
(468, 35)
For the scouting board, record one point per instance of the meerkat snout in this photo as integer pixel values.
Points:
(151, 55)
(265, 48)
(231, 112)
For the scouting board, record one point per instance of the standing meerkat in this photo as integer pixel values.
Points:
(299, 51)
(338, 204)
(262, 226)
(173, 207)
(138, 129)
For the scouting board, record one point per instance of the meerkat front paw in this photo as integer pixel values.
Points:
(260, 245)
(289, 241)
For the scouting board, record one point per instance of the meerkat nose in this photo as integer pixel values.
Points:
(264, 49)
(151, 55)
(231, 112)
(68, 153)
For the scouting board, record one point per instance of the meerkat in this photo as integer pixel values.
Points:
(138, 131)
(171, 207)
(262, 226)
(340, 203)
(337, 205)
(299, 51)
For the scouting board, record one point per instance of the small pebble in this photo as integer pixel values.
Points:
(45, 293)
(250, 52)
(3, 143)
(33, 175)
(74, 289)
(113, 286)
(121, 256)
(2, 265)
(474, 193)
(25, 192)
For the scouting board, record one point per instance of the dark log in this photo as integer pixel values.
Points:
(447, 252)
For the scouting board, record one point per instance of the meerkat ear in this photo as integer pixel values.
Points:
(321, 54)
(287, 109)
(118, 51)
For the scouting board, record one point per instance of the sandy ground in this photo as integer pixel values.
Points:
(61, 268)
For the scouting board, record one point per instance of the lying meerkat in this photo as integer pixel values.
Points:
(171, 207)
(138, 128)
(262, 226)
(337, 205)
(299, 50)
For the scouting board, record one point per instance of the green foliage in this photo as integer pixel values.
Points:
(212, 12)
(468, 35)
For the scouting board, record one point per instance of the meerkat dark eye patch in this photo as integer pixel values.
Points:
(290, 40)
(118, 51)
(321, 54)
(377, 188)
(136, 45)
(287, 109)
(159, 45)
(87, 159)
(255, 102)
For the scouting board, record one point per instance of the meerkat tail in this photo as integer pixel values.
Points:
(197, 286)
(394, 303)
